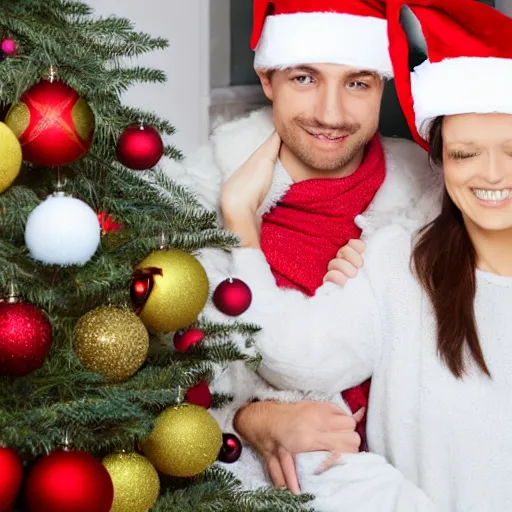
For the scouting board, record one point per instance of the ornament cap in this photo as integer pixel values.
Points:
(13, 296)
(51, 74)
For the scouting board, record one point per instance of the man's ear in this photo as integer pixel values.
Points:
(266, 83)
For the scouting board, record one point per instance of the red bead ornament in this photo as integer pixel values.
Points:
(25, 338)
(69, 481)
(140, 147)
(199, 395)
(11, 470)
(231, 449)
(53, 124)
(185, 340)
(232, 297)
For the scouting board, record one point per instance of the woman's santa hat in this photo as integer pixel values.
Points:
(290, 33)
(468, 66)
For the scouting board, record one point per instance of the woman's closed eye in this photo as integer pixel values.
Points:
(461, 155)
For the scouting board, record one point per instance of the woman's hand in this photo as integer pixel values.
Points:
(244, 192)
(279, 431)
(347, 263)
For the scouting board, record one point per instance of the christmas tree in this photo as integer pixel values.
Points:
(98, 411)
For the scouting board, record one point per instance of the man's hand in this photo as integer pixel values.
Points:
(347, 263)
(244, 192)
(280, 431)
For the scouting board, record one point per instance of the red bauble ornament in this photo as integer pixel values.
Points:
(185, 340)
(199, 395)
(69, 481)
(231, 449)
(25, 338)
(140, 147)
(11, 470)
(53, 124)
(232, 297)
(9, 47)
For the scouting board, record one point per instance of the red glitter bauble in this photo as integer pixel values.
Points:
(25, 338)
(199, 395)
(11, 470)
(232, 297)
(53, 124)
(69, 481)
(140, 147)
(231, 449)
(184, 340)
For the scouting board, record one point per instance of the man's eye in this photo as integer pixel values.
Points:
(357, 85)
(303, 79)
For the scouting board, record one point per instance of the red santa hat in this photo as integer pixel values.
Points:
(288, 33)
(468, 66)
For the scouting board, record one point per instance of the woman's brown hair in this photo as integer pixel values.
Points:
(444, 261)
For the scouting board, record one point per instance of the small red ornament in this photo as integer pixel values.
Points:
(107, 224)
(140, 147)
(199, 395)
(142, 285)
(9, 47)
(185, 340)
(11, 470)
(232, 297)
(69, 481)
(25, 338)
(231, 449)
(53, 124)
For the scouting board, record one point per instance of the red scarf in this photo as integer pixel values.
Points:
(314, 219)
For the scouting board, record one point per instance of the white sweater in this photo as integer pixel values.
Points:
(450, 438)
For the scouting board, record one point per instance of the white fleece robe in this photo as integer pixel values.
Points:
(408, 196)
(450, 438)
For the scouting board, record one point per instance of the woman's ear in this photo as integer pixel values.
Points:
(418, 52)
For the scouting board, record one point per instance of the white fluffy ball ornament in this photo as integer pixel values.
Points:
(62, 230)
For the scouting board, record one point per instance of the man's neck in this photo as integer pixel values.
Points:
(493, 249)
(299, 171)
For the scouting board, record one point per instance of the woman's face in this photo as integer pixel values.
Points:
(477, 162)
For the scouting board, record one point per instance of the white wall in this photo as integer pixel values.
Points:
(220, 43)
(504, 6)
(184, 99)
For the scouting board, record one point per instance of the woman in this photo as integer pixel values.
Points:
(429, 317)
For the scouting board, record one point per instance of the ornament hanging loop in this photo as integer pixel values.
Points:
(61, 183)
(163, 241)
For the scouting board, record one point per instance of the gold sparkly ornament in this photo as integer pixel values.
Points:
(111, 341)
(10, 157)
(136, 482)
(185, 441)
(178, 291)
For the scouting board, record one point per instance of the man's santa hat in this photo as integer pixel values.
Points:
(468, 66)
(289, 33)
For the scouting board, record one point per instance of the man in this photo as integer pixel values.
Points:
(323, 66)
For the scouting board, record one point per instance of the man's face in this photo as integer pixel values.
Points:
(324, 113)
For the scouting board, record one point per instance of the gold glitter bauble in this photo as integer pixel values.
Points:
(186, 440)
(111, 341)
(136, 482)
(10, 157)
(179, 294)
